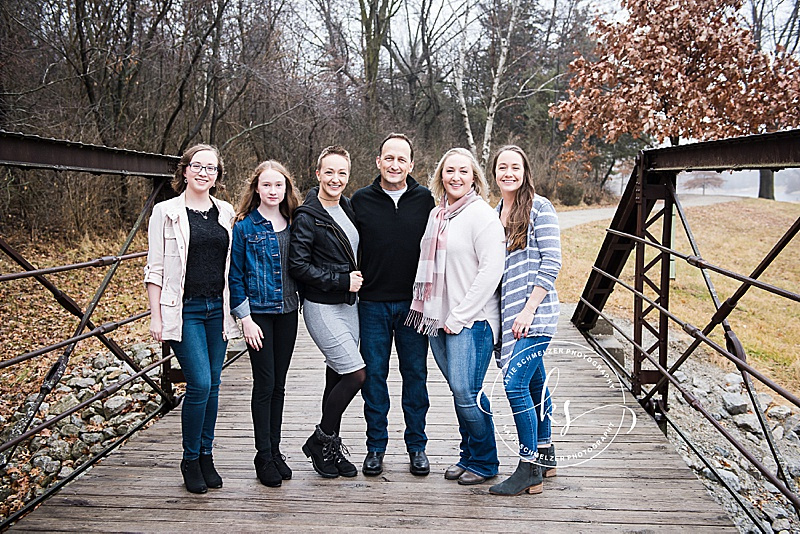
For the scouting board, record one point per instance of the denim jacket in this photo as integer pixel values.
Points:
(255, 277)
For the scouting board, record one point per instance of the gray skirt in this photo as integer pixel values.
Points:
(334, 329)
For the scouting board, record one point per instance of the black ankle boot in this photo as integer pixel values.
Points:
(267, 471)
(321, 448)
(210, 475)
(193, 477)
(546, 458)
(527, 477)
(280, 463)
(343, 465)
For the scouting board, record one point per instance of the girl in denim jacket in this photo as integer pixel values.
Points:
(264, 297)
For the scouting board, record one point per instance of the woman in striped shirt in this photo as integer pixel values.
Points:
(529, 311)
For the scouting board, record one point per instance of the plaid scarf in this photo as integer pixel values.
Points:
(427, 308)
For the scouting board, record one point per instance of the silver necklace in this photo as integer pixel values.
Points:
(204, 214)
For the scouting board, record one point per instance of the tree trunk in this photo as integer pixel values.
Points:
(459, 83)
(491, 112)
(766, 184)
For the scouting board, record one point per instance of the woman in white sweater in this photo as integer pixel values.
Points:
(456, 302)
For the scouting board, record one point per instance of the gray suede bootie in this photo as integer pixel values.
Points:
(527, 477)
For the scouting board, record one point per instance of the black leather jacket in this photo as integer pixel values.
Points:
(320, 255)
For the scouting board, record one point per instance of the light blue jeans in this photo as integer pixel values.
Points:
(463, 359)
(201, 353)
(529, 398)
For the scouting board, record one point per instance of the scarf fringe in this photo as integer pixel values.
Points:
(421, 290)
(426, 326)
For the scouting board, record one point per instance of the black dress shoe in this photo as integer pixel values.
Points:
(373, 464)
(419, 463)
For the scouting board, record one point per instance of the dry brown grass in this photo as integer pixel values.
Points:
(31, 318)
(736, 236)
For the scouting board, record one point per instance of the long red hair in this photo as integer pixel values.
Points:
(251, 200)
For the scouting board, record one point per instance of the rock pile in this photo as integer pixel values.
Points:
(725, 397)
(723, 394)
(54, 454)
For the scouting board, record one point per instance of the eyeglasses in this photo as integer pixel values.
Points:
(210, 169)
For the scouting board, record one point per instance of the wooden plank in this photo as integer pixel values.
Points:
(637, 483)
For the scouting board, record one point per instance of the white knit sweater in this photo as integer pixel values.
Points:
(473, 268)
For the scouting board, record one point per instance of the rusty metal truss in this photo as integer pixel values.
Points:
(633, 229)
(29, 152)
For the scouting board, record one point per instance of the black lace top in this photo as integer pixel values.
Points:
(208, 250)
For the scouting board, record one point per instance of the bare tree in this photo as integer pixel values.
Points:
(530, 78)
(376, 17)
(416, 55)
(703, 180)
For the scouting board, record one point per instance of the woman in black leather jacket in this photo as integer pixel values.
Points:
(322, 257)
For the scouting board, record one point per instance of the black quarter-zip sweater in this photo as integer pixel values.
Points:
(390, 237)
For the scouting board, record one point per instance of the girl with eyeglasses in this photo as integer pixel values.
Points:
(187, 285)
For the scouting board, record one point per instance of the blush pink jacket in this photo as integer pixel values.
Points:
(168, 237)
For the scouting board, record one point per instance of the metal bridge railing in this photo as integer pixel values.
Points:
(634, 228)
(32, 153)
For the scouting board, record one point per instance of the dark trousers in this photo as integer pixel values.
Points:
(270, 366)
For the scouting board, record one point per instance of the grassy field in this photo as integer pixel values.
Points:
(736, 236)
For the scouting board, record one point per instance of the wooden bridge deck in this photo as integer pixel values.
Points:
(637, 484)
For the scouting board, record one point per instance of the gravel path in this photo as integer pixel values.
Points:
(568, 219)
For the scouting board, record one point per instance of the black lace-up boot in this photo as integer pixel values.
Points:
(343, 465)
(321, 448)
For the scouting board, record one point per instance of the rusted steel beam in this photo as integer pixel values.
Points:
(767, 151)
(748, 281)
(727, 307)
(699, 335)
(35, 152)
(612, 257)
(96, 331)
(59, 366)
(99, 262)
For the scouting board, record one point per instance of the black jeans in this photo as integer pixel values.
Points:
(270, 366)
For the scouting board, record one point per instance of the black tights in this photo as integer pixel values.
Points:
(339, 392)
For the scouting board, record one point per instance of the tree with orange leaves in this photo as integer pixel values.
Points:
(679, 69)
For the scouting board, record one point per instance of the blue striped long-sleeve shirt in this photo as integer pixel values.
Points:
(537, 264)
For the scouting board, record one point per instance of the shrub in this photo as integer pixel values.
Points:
(570, 193)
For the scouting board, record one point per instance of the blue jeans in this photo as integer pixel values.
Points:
(380, 322)
(525, 386)
(201, 353)
(463, 359)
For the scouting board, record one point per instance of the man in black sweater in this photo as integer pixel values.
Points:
(391, 215)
